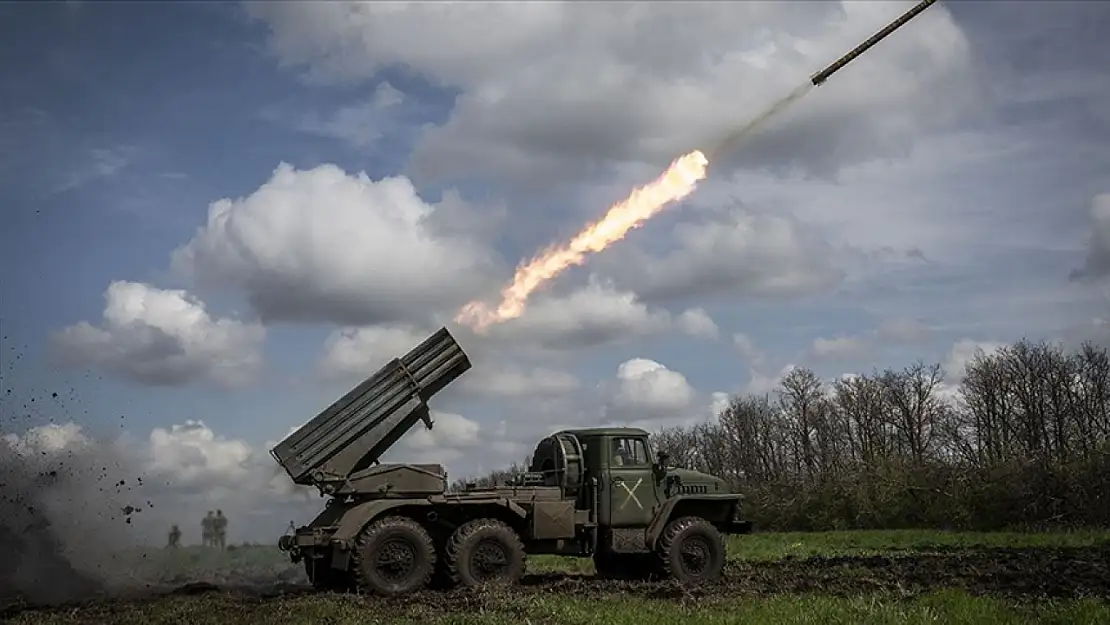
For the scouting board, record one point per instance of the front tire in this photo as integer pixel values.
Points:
(485, 552)
(393, 556)
(691, 551)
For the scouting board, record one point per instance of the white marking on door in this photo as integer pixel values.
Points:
(631, 494)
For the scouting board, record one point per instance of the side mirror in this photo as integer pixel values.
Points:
(660, 468)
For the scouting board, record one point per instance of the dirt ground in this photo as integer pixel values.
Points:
(1011, 572)
(1027, 573)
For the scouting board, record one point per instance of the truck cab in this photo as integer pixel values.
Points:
(632, 492)
(623, 462)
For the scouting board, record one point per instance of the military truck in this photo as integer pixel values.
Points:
(391, 529)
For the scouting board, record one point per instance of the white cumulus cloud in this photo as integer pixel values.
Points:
(558, 88)
(192, 456)
(162, 337)
(645, 390)
(357, 352)
(697, 322)
(325, 245)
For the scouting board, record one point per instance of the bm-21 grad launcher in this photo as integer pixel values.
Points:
(393, 528)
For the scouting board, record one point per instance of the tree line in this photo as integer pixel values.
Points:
(1021, 441)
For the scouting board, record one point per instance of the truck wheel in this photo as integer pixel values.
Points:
(485, 551)
(691, 551)
(393, 556)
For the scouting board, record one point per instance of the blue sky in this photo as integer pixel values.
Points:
(935, 195)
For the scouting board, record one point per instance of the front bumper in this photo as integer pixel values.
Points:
(305, 541)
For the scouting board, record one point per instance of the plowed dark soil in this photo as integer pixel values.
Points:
(1011, 572)
(1029, 573)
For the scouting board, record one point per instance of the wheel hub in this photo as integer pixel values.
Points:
(695, 555)
(395, 560)
(490, 560)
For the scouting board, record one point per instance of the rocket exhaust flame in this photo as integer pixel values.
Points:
(678, 181)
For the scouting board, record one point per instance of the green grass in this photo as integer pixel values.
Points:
(503, 609)
(582, 602)
(758, 547)
(194, 561)
(768, 547)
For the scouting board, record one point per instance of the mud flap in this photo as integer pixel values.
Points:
(340, 558)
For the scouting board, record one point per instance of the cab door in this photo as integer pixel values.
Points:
(629, 495)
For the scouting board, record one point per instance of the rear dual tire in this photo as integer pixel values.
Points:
(484, 552)
(393, 556)
(396, 556)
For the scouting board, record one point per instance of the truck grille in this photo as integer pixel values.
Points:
(692, 489)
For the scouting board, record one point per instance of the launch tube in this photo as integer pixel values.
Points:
(824, 74)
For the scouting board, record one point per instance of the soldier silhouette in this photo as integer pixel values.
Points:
(175, 536)
(208, 530)
(220, 526)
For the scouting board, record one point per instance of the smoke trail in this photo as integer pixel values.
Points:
(742, 132)
(678, 181)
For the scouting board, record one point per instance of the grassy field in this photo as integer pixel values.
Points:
(769, 547)
(835, 577)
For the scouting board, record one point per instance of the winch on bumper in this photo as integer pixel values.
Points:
(305, 540)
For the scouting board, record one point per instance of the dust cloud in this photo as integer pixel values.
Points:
(65, 514)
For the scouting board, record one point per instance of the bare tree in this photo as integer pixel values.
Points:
(1024, 441)
(861, 402)
(913, 407)
(986, 395)
(802, 404)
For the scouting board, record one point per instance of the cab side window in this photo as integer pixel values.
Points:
(629, 452)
